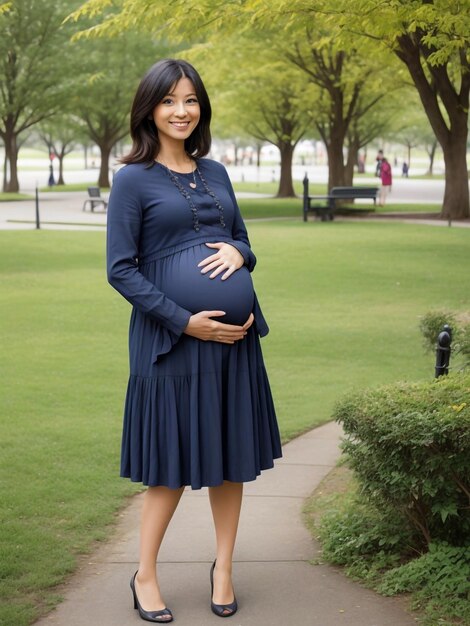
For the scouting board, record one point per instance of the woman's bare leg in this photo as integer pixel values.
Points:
(159, 505)
(226, 501)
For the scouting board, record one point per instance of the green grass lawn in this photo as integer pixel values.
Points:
(259, 208)
(256, 208)
(74, 187)
(7, 196)
(272, 187)
(343, 301)
(404, 208)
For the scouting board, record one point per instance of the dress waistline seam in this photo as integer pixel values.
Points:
(184, 245)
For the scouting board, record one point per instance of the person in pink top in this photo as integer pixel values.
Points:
(386, 178)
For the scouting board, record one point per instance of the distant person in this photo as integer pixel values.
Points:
(51, 181)
(378, 166)
(404, 170)
(386, 178)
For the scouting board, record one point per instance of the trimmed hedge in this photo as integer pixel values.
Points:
(409, 446)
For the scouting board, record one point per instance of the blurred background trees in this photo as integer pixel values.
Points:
(348, 74)
(34, 82)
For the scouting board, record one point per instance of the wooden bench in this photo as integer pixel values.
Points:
(327, 207)
(94, 199)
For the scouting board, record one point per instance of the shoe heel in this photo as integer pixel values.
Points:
(134, 595)
(220, 609)
(150, 616)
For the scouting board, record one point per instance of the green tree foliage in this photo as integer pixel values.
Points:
(364, 129)
(414, 131)
(348, 91)
(44, 74)
(261, 102)
(348, 50)
(110, 72)
(344, 81)
(265, 100)
(60, 134)
(432, 39)
(34, 82)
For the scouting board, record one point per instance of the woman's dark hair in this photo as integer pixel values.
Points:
(157, 83)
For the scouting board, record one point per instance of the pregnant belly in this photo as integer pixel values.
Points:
(182, 281)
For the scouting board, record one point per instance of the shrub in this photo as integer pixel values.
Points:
(431, 325)
(357, 535)
(464, 345)
(409, 446)
(439, 580)
(374, 546)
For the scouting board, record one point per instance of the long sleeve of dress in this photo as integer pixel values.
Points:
(239, 234)
(122, 251)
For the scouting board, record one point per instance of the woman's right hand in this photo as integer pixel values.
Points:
(202, 326)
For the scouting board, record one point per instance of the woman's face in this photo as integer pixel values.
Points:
(178, 114)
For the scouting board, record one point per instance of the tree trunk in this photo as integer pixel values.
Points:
(452, 135)
(11, 155)
(258, 154)
(60, 180)
(432, 153)
(286, 187)
(5, 171)
(14, 183)
(456, 194)
(336, 174)
(236, 148)
(105, 151)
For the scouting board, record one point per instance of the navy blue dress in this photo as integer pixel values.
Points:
(196, 412)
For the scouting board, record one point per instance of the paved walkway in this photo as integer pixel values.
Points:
(274, 580)
(63, 211)
(57, 210)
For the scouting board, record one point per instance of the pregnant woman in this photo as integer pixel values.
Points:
(198, 409)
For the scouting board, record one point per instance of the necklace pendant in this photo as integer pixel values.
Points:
(193, 185)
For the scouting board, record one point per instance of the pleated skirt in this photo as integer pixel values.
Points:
(204, 415)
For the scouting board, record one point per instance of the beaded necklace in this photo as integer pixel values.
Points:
(185, 193)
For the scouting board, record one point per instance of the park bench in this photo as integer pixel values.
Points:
(94, 199)
(324, 207)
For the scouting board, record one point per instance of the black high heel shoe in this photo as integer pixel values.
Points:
(164, 616)
(221, 609)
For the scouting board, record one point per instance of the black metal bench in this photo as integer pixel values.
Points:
(94, 199)
(326, 210)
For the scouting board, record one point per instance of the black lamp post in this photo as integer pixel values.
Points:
(38, 221)
(443, 350)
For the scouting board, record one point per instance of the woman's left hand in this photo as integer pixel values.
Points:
(226, 258)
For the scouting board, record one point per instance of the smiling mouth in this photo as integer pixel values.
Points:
(180, 124)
